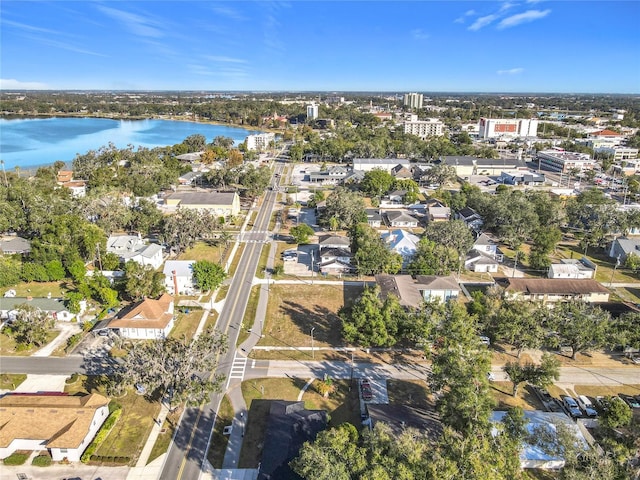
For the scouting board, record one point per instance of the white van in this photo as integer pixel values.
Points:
(586, 406)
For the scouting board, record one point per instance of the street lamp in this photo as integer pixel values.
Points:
(313, 353)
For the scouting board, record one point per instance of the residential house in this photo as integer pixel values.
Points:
(471, 218)
(132, 247)
(335, 261)
(487, 245)
(189, 178)
(333, 241)
(399, 219)
(147, 319)
(64, 425)
(556, 290)
(288, 426)
(65, 179)
(481, 262)
(190, 157)
(179, 277)
(437, 212)
(413, 291)
(55, 307)
(15, 246)
(622, 247)
(401, 172)
(396, 197)
(402, 242)
(534, 456)
(374, 219)
(572, 268)
(222, 204)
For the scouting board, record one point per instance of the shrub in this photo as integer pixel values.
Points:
(72, 341)
(72, 379)
(102, 433)
(16, 458)
(41, 461)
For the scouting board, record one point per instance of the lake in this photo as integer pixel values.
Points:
(27, 143)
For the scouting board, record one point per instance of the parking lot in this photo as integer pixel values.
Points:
(300, 265)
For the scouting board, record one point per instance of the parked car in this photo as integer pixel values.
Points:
(485, 340)
(572, 406)
(630, 400)
(365, 388)
(545, 395)
(586, 406)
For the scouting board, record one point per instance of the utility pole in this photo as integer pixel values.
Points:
(313, 353)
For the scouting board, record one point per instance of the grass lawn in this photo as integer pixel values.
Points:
(249, 314)
(222, 292)
(341, 406)
(203, 251)
(605, 264)
(219, 441)
(38, 289)
(9, 381)
(415, 393)
(294, 309)
(527, 399)
(262, 262)
(236, 260)
(130, 432)
(186, 324)
(166, 434)
(9, 347)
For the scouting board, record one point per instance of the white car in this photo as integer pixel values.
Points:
(586, 406)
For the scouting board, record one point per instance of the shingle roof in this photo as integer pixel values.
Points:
(542, 286)
(62, 421)
(183, 268)
(148, 313)
(15, 245)
(203, 198)
(41, 303)
(408, 289)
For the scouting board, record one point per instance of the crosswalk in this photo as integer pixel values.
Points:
(237, 368)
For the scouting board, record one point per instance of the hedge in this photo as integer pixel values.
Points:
(110, 459)
(102, 433)
(41, 461)
(16, 458)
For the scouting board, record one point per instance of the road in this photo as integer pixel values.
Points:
(188, 451)
(628, 375)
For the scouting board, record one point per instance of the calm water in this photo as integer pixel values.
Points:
(31, 142)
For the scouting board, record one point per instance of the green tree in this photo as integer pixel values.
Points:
(77, 270)
(173, 367)
(301, 233)
(632, 262)
(9, 270)
(141, 281)
(544, 241)
(441, 174)
(520, 324)
(376, 182)
(73, 300)
(55, 270)
(580, 325)
(371, 321)
(616, 413)
(31, 325)
(346, 207)
(34, 272)
(208, 275)
(431, 258)
(541, 375)
(371, 255)
(453, 233)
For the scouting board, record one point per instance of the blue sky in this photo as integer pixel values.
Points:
(480, 46)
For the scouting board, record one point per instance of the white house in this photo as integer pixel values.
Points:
(179, 277)
(402, 242)
(132, 247)
(622, 247)
(148, 319)
(62, 424)
(400, 218)
(480, 262)
(572, 268)
(412, 292)
(55, 307)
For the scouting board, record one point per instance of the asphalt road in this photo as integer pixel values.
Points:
(188, 451)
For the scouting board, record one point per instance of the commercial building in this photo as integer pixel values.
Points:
(413, 100)
(218, 203)
(386, 164)
(425, 128)
(558, 160)
(507, 127)
(260, 141)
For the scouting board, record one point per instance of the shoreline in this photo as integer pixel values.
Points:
(181, 118)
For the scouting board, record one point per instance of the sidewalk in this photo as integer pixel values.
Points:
(232, 455)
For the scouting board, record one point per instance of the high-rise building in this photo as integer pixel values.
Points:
(424, 128)
(413, 100)
(312, 111)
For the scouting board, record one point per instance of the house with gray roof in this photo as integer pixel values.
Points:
(374, 219)
(289, 426)
(402, 242)
(15, 245)
(399, 218)
(413, 291)
(622, 247)
(55, 307)
(333, 241)
(133, 248)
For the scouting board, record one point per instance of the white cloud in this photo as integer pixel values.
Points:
(419, 34)
(511, 71)
(468, 13)
(228, 12)
(13, 84)
(528, 16)
(30, 28)
(482, 22)
(223, 59)
(137, 24)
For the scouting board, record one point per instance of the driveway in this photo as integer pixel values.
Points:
(42, 383)
(302, 266)
(67, 330)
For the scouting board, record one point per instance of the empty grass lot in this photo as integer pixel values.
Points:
(186, 324)
(203, 251)
(341, 406)
(294, 309)
(38, 289)
(9, 347)
(130, 432)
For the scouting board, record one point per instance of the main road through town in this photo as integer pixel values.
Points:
(188, 452)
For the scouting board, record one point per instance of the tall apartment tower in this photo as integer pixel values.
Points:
(413, 100)
(312, 111)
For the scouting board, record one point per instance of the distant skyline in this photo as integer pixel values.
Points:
(426, 46)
